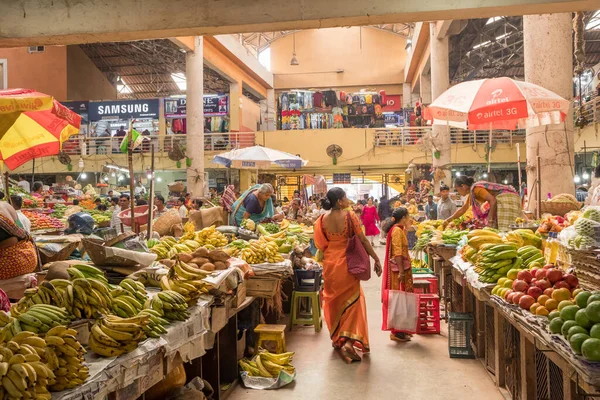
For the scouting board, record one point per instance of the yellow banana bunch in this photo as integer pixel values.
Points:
(190, 289)
(112, 336)
(64, 356)
(22, 372)
(260, 251)
(210, 236)
(268, 365)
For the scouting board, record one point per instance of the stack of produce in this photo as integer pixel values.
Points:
(451, 237)
(64, 355)
(268, 365)
(168, 246)
(156, 324)
(169, 304)
(58, 210)
(539, 290)
(268, 228)
(39, 318)
(210, 238)
(579, 323)
(100, 217)
(28, 200)
(41, 221)
(128, 298)
(532, 257)
(495, 260)
(248, 225)
(586, 227)
(112, 336)
(185, 280)
(301, 232)
(258, 252)
(552, 223)
(566, 198)
(22, 372)
(423, 240)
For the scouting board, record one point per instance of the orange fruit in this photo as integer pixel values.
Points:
(541, 310)
(561, 294)
(534, 307)
(551, 304)
(542, 299)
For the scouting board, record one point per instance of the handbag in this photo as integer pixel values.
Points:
(357, 258)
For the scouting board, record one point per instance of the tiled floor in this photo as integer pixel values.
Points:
(420, 369)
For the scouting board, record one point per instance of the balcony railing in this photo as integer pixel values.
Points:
(588, 112)
(83, 145)
(412, 135)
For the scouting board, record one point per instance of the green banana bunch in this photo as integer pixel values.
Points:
(156, 325)
(169, 304)
(65, 357)
(39, 318)
(86, 271)
(128, 298)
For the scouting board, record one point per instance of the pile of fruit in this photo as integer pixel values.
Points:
(41, 221)
(539, 290)
(248, 224)
(256, 251)
(65, 357)
(28, 200)
(58, 210)
(268, 228)
(128, 298)
(268, 365)
(168, 304)
(579, 322)
(586, 227)
(100, 217)
(168, 246)
(112, 336)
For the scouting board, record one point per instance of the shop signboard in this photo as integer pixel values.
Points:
(214, 105)
(124, 109)
(340, 179)
(393, 103)
(393, 119)
(81, 108)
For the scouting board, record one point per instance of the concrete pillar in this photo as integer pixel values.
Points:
(548, 52)
(267, 111)
(194, 71)
(406, 95)
(235, 106)
(425, 86)
(440, 81)
(248, 178)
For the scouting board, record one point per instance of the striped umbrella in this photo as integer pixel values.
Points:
(32, 125)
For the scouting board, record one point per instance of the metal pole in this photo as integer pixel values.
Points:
(32, 172)
(151, 195)
(131, 177)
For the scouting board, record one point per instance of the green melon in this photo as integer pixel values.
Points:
(582, 299)
(556, 325)
(593, 311)
(591, 349)
(576, 341)
(566, 326)
(576, 329)
(568, 313)
(582, 319)
(595, 331)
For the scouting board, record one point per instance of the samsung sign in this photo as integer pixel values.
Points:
(124, 109)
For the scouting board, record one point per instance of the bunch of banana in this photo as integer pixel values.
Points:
(513, 237)
(284, 224)
(190, 289)
(211, 237)
(531, 255)
(128, 298)
(84, 271)
(46, 293)
(479, 237)
(170, 305)
(493, 261)
(274, 236)
(162, 249)
(112, 336)
(22, 372)
(39, 318)
(156, 325)
(90, 297)
(64, 355)
(268, 365)
(299, 232)
(260, 251)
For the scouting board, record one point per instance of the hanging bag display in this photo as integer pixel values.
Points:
(357, 258)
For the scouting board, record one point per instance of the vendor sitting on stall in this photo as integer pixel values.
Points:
(504, 202)
(38, 189)
(256, 204)
(159, 202)
(18, 255)
(295, 212)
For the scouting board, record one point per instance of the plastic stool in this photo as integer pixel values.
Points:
(307, 285)
(268, 332)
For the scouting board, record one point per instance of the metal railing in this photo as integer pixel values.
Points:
(78, 145)
(587, 113)
(413, 135)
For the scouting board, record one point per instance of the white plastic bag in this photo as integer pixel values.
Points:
(402, 311)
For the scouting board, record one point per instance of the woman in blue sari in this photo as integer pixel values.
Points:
(255, 204)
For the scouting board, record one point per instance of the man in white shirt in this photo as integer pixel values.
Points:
(446, 207)
(115, 221)
(17, 204)
(183, 211)
(140, 190)
(23, 184)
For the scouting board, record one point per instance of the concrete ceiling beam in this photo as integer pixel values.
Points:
(47, 22)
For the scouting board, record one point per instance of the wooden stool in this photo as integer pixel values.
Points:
(275, 333)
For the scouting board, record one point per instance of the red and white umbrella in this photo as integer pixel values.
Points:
(499, 103)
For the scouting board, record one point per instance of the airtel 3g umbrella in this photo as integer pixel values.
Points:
(32, 125)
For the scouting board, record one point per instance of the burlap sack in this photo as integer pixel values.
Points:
(165, 222)
(206, 217)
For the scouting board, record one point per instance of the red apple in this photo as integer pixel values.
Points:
(525, 275)
(517, 297)
(542, 283)
(548, 266)
(534, 271)
(520, 286)
(510, 297)
(526, 301)
(534, 292)
(540, 274)
(548, 292)
(571, 280)
(562, 284)
(554, 275)
(508, 293)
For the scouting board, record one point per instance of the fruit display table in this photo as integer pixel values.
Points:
(523, 359)
(206, 342)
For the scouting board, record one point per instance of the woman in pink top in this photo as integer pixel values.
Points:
(369, 218)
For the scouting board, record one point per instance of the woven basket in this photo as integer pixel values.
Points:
(558, 208)
(47, 257)
(587, 268)
(176, 187)
(165, 222)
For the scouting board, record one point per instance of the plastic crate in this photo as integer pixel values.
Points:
(420, 288)
(429, 314)
(459, 335)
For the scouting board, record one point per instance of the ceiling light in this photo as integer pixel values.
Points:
(83, 175)
(158, 179)
(180, 81)
(577, 179)
(294, 60)
(485, 175)
(585, 176)
(408, 44)
(505, 181)
(106, 179)
(120, 81)
(457, 173)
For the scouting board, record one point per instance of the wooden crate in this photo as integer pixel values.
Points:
(262, 287)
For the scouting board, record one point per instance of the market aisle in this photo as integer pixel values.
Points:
(420, 369)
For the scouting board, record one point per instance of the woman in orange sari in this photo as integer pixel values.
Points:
(397, 274)
(344, 302)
